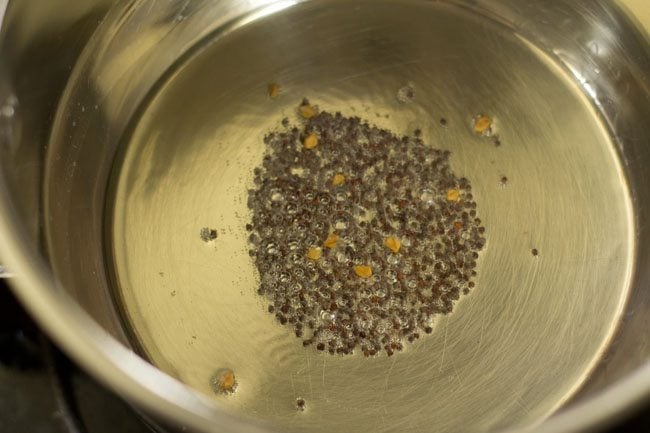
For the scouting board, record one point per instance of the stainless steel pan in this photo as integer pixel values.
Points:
(127, 126)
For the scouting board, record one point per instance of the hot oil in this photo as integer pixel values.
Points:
(511, 351)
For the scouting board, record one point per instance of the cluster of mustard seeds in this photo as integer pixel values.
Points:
(360, 237)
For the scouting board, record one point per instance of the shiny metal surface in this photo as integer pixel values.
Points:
(5, 273)
(570, 105)
(530, 331)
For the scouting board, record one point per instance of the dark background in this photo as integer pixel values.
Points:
(42, 391)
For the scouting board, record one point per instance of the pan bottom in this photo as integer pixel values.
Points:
(551, 282)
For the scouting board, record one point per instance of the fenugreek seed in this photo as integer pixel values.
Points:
(453, 195)
(363, 271)
(482, 125)
(314, 253)
(273, 90)
(331, 241)
(338, 180)
(311, 141)
(393, 244)
(307, 111)
(224, 381)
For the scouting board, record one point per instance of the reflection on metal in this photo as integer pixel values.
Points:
(586, 86)
(183, 104)
(529, 332)
(5, 273)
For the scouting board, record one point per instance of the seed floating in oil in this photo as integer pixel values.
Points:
(314, 253)
(393, 244)
(338, 179)
(482, 125)
(363, 271)
(331, 241)
(306, 110)
(224, 382)
(273, 90)
(311, 141)
(453, 195)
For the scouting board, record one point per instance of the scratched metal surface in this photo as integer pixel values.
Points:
(510, 354)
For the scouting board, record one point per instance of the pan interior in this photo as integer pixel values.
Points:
(510, 353)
